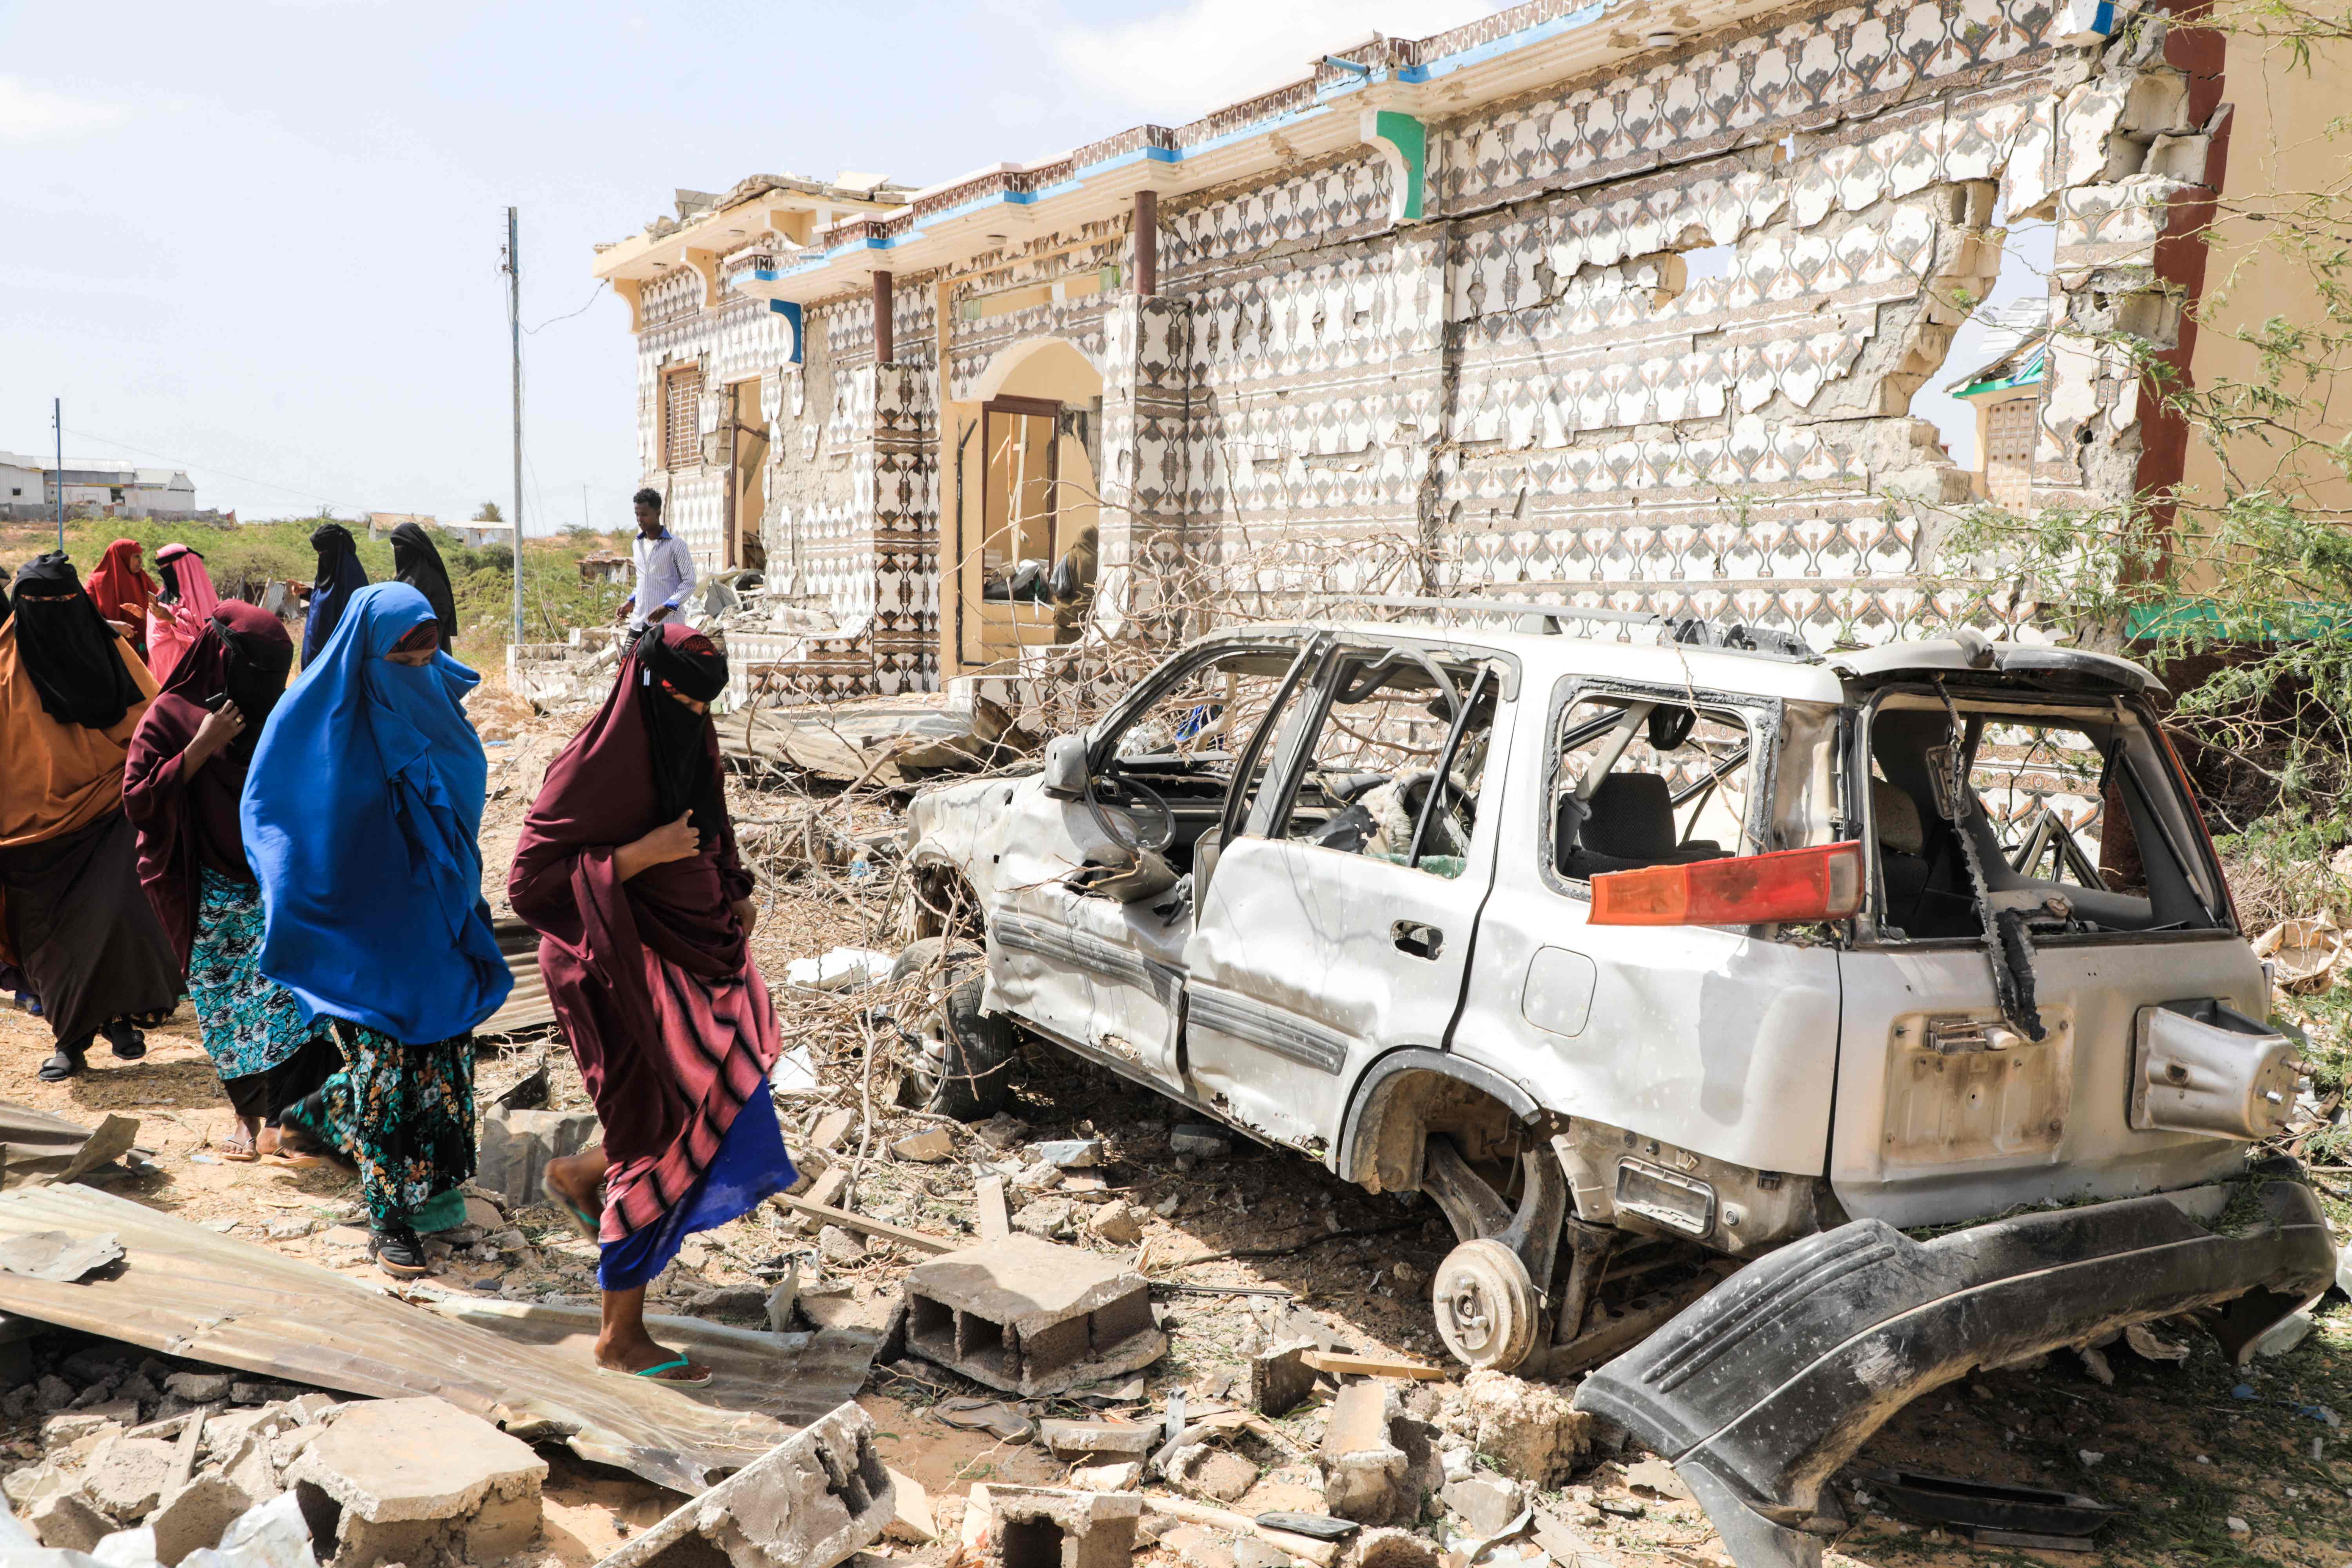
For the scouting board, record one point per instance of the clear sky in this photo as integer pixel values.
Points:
(262, 242)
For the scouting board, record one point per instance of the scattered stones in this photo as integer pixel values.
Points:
(1200, 1141)
(1365, 1473)
(2238, 1526)
(1098, 1438)
(928, 1147)
(64, 1522)
(1279, 1377)
(1654, 1475)
(197, 1515)
(54, 1393)
(724, 1300)
(516, 1146)
(836, 1245)
(1390, 1547)
(420, 1477)
(1251, 1552)
(1030, 1318)
(812, 1501)
(1002, 1131)
(1070, 1153)
(1117, 1476)
(1624, 1508)
(72, 1425)
(1116, 1222)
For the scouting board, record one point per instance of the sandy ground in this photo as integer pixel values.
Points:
(2169, 1442)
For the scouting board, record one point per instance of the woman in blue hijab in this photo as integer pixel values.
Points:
(360, 812)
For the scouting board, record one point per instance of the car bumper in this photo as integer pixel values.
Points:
(1760, 1390)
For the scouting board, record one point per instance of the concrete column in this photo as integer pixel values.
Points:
(1147, 243)
(884, 351)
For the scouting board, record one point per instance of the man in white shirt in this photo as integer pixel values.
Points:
(664, 567)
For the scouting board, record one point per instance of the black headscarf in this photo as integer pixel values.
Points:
(417, 562)
(339, 576)
(70, 651)
(684, 779)
(167, 567)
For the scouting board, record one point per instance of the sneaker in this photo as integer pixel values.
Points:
(396, 1251)
(65, 1064)
(128, 1043)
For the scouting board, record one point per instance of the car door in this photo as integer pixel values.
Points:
(1337, 923)
(1103, 974)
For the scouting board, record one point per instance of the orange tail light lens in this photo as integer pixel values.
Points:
(1823, 884)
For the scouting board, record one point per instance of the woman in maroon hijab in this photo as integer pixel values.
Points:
(627, 870)
(181, 781)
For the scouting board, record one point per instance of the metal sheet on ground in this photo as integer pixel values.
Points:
(184, 1291)
(35, 1143)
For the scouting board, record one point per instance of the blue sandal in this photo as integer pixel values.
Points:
(654, 1373)
(588, 1224)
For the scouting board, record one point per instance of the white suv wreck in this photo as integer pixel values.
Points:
(1885, 1014)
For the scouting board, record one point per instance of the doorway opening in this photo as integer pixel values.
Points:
(747, 476)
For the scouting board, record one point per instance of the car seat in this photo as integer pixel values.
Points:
(1627, 825)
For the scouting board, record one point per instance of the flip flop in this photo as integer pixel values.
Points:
(654, 1373)
(239, 1149)
(586, 1223)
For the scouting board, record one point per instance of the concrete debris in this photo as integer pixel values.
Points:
(273, 1534)
(1527, 1428)
(1031, 1318)
(197, 1515)
(1118, 1222)
(928, 1147)
(127, 1477)
(516, 1146)
(1485, 1504)
(1280, 1378)
(1654, 1475)
(813, 1502)
(63, 1521)
(55, 1256)
(1571, 1547)
(1367, 1474)
(1115, 1475)
(1392, 1548)
(2289, 1332)
(995, 1221)
(1039, 1527)
(200, 1387)
(911, 1518)
(1093, 1440)
(1200, 1141)
(1218, 1474)
(1047, 1219)
(408, 1478)
(1070, 1153)
(1002, 1131)
(836, 1245)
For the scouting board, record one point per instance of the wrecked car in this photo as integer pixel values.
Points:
(1878, 1016)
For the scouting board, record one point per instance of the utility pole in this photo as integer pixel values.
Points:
(57, 418)
(514, 334)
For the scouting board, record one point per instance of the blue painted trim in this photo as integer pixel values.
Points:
(790, 310)
(1508, 43)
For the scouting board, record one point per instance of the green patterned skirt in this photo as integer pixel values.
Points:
(403, 1114)
(268, 1056)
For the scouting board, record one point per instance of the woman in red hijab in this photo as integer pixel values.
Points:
(118, 585)
(628, 870)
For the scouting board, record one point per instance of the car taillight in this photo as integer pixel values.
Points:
(1823, 884)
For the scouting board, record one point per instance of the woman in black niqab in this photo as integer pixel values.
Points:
(417, 562)
(68, 649)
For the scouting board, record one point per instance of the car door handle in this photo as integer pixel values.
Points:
(1418, 939)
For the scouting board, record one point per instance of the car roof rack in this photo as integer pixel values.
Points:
(1544, 619)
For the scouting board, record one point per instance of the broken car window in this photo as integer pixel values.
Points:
(2078, 821)
(1181, 744)
(1377, 753)
(1644, 782)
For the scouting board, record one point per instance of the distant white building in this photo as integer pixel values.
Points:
(28, 487)
(472, 535)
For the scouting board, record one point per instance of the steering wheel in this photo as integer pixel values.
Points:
(1120, 829)
(1450, 797)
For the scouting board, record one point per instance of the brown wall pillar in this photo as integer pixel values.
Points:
(1147, 243)
(883, 349)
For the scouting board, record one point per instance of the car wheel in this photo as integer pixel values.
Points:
(1485, 1305)
(959, 1060)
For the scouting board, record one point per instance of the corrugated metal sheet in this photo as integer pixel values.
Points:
(527, 1006)
(186, 1291)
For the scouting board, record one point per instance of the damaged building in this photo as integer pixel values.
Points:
(1625, 303)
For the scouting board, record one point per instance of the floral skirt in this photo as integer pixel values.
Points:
(251, 1023)
(403, 1114)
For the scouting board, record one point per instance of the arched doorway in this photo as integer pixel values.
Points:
(1025, 495)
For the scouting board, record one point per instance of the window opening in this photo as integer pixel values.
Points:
(682, 417)
(1646, 782)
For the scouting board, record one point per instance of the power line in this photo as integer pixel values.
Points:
(567, 316)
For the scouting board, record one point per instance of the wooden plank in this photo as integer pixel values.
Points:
(988, 1197)
(1342, 1366)
(883, 1228)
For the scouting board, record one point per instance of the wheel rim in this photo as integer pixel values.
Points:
(1485, 1305)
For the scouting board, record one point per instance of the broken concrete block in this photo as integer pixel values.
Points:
(1390, 1547)
(1045, 1218)
(1485, 1504)
(66, 1524)
(250, 1468)
(418, 1477)
(197, 1515)
(1366, 1475)
(812, 1501)
(516, 1146)
(1029, 1317)
(1200, 1141)
(72, 1425)
(838, 1246)
(1001, 1131)
(928, 1147)
(1116, 1222)
(1070, 1153)
(1115, 1475)
(1216, 1474)
(54, 1393)
(127, 1477)
(2285, 1335)
(23, 1486)
(910, 1510)
(1279, 1377)
(1040, 1527)
(273, 1534)
(1528, 1428)
(200, 1387)
(1093, 1439)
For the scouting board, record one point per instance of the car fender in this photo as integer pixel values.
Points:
(1359, 1156)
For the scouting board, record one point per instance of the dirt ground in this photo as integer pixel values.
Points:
(2185, 1449)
